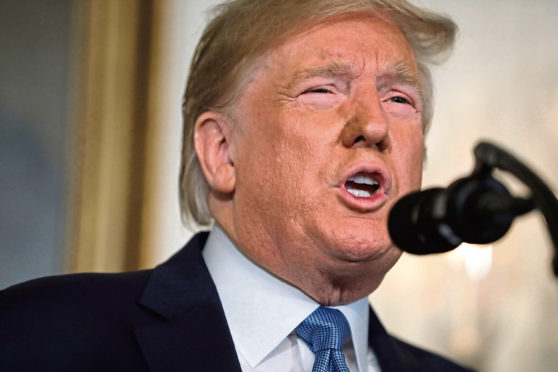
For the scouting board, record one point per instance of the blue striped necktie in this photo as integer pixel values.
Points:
(324, 331)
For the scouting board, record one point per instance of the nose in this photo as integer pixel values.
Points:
(368, 124)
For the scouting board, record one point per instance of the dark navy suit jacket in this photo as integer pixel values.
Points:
(166, 319)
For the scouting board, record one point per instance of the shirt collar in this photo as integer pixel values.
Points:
(261, 309)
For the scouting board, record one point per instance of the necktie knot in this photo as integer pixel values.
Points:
(324, 331)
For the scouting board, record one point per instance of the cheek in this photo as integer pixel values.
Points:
(416, 170)
(271, 163)
(411, 162)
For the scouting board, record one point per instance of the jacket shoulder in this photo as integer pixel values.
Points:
(429, 361)
(71, 319)
(395, 355)
(73, 290)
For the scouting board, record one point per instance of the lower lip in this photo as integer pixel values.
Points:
(364, 204)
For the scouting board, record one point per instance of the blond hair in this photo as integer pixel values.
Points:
(242, 30)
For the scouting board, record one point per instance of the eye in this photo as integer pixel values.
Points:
(400, 106)
(399, 99)
(320, 97)
(318, 90)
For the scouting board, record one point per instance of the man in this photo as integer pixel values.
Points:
(304, 123)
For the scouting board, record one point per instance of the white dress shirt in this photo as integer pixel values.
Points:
(262, 312)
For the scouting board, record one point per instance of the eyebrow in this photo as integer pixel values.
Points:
(332, 69)
(401, 71)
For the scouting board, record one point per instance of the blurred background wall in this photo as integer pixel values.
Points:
(90, 129)
(34, 47)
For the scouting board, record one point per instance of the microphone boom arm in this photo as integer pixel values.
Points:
(490, 156)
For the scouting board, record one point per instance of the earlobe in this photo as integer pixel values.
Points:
(212, 140)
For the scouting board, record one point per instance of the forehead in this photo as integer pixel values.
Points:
(355, 39)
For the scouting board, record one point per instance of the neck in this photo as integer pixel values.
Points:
(330, 282)
(329, 288)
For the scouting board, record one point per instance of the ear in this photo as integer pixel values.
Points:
(212, 140)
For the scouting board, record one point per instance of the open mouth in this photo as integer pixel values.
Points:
(362, 185)
(366, 188)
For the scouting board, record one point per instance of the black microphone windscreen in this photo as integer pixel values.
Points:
(413, 228)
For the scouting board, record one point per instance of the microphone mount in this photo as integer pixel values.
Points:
(475, 209)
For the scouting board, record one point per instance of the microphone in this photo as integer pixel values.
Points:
(476, 209)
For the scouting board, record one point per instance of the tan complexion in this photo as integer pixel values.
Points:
(335, 101)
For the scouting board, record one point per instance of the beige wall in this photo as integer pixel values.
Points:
(177, 27)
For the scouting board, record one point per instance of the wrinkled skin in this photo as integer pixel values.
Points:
(339, 98)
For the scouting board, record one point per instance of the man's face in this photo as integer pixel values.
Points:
(328, 136)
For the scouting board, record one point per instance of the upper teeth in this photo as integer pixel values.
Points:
(363, 179)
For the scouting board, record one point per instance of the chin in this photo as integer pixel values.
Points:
(361, 244)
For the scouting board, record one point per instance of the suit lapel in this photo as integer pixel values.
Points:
(389, 354)
(192, 333)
